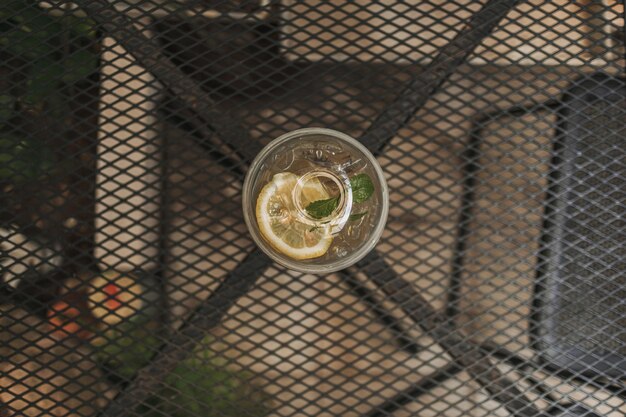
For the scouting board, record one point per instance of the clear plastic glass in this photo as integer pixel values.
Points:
(315, 200)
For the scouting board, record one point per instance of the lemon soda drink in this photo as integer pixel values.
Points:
(315, 200)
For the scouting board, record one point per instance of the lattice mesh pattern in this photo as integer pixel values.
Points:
(130, 286)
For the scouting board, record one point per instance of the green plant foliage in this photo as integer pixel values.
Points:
(82, 27)
(24, 44)
(78, 66)
(7, 105)
(42, 81)
(199, 386)
(126, 349)
(23, 159)
(57, 52)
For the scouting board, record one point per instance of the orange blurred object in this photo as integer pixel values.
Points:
(70, 319)
(112, 291)
(115, 296)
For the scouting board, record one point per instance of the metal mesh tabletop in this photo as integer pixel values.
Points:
(131, 287)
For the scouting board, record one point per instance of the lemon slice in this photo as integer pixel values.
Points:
(278, 221)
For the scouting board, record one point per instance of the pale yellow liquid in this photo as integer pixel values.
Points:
(333, 166)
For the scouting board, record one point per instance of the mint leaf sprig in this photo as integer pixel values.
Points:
(362, 189)
(356, 216)
(322, 208)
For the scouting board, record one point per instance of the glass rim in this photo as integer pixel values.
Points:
(334, 266)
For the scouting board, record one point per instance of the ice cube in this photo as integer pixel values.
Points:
(283, 160)
(353, 166)
(340, 251)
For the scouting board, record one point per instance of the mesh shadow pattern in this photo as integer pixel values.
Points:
(129, 285)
